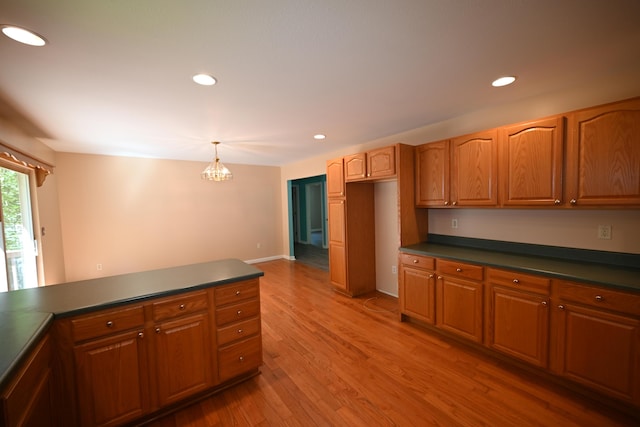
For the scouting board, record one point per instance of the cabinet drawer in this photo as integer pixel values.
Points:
(459, 269)
(234, 292)
(418, 261)
(594, 296)
(239, 358)
(107, 322)
(179, 305)
(238, 331)
(516, 280)
(237, 312)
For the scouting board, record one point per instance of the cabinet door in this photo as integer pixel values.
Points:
(531, 158)
(474, 174)
(355, 167)
(183, 352)
(600, 350)
(603, 165)
(335, 178)
(337, 237)
(110, 379)
(417, 294)
(459, 307)
(432, 174)
(518, 324)
(381, 163)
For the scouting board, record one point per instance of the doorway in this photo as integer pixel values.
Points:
(308, 221)
(18, 264)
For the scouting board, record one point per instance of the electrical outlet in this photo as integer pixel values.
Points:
(454, 223)
(99, 267)
(604, 232)
(394, 269)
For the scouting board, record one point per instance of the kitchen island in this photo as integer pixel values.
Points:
(147, 340)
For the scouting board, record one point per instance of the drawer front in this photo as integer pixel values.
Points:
(417, 261)
(234, 292)
(107, 322)
(238, 331)
(237, 312)
(240, 358)
(179, 305)
(516, 280)
(623, 302)
(459, 269)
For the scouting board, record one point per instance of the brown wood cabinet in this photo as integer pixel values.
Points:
(517, 315)
(374, 164)
(474, 169)
(603, 155)
(459, 299)
(432, 174)
(27, 401)
(335, 178)
(337, 240)
(238, 324)
(597, 343)
(531, 163)
(417, 287)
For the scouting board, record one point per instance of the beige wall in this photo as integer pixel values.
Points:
(131, 214)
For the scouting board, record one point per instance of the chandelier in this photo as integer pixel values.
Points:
(216, 171)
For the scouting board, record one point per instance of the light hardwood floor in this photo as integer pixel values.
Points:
(331, 360)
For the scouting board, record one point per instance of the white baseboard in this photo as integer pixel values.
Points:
(271, 258)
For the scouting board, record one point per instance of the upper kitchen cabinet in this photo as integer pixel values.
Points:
(603, 155)
(432, 174)
(531, 158)
(335, 178)
(374, 164)
(474, 169)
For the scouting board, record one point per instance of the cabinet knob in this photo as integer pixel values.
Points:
(241, 358)
(239, 313)
(237, 293)
(454, 203)
(544, 303)
(516, 281)
(557, 202)
(415, 261)
(599, 298)
(140, 334)
(157, 330)
(181, 307)
(439, 277)
(240, 331)
(446, 203)
(109, 324)
(459, 270)
(561, 307)
(573, 201)
(431, 276)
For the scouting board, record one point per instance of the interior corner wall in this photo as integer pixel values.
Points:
(130, 214)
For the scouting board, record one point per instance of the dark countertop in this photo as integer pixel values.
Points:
(25, 315)
(585, 272)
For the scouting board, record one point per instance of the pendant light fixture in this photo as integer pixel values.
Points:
(216, 171)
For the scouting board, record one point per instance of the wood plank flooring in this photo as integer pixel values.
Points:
(330, 360)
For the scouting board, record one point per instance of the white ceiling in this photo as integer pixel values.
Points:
(115, 76)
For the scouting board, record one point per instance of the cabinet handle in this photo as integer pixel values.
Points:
(181, 307)
(140, 334)
(237, 293)
(516, 281)
(599, 298)
(157, 330)
(109, 324)
(544, 303)
(459, 270)
(573, 201)
(239, 313)
(561, 307)
(446, 203)
(454, 203)
(241, 358)
(557, 202)
(439, 277)
(431, 276)
(415, 261)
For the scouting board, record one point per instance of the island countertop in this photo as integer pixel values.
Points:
(585, 272)
(25, 315)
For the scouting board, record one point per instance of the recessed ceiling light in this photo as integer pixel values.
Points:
(503, 81)
(23, 36)
(319, 136)
(204, 79)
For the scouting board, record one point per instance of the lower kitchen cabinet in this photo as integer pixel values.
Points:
(517, 315)
(598, 339)
(459, 299)
(28, 399)
(417, 283)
